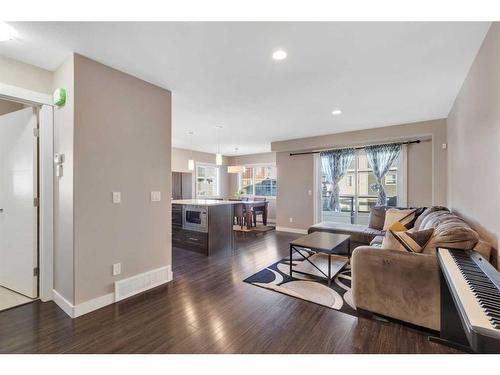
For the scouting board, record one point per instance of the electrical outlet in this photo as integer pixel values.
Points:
(117, 197)
(155, 196)
(117, 269)
(291, 220)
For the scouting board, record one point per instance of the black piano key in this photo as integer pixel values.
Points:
(491, 292)
(475, 277)
(480, 284)
(480, 277)
(482, 297)
(489, 307)
(486, 298)
(488, 288)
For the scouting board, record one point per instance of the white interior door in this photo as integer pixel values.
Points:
(18, 215)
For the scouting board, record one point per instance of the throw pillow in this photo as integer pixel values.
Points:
(377, 217)
(411, 241)
(405, 217)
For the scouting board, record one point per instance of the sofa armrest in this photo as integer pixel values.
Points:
(397, 284)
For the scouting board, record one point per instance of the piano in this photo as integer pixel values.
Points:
(470, 301)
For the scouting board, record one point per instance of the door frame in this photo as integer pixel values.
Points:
(45, 180)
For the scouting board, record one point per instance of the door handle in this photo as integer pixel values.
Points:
(1, 210)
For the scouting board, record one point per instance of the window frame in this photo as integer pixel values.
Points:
(252, 166)
(217, 180)
(401, 183)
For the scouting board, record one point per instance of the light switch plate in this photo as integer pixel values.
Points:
(117, 269)
(117, 197)
(155, 196)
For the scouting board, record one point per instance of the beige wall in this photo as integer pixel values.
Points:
(474, 143)
(427, 167)
(122, 143)
(180, 159)
(7, 106)
(63, 186)
(26, 76)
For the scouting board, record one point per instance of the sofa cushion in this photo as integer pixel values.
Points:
(377, 241)
(377, 217)
(412, 241)
(358, 233)
(427, 212)
(393, 215)
(449, 230)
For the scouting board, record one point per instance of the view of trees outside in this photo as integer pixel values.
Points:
(259, 181)
(355, 208)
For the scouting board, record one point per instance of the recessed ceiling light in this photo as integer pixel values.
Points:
(279, 54)
(336, 112)
(6, 32)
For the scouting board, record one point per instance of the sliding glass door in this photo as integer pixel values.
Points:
(357, 192)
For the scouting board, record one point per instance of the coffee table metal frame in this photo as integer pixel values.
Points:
(329, 253)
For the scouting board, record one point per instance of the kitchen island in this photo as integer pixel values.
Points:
(203, 225)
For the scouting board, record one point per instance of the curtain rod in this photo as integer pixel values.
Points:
(356, 148)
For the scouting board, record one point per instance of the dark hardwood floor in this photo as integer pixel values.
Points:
(208, 309)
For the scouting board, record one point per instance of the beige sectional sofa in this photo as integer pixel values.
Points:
(403, 285)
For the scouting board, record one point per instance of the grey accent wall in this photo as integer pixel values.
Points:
(63, 186)
(122, 143)
(427, 167)
(474, 143)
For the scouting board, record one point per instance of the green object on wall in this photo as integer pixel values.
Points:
(60, 97)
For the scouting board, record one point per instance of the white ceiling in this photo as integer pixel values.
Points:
(379, 74)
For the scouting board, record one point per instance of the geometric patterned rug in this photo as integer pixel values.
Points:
(276, 277)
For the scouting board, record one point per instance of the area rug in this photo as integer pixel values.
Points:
(276, 277)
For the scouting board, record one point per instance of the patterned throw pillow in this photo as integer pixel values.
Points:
(405, 217)
(411, 241)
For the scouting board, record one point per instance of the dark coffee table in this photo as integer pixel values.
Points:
(322, 242)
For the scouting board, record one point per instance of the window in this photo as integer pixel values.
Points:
(391, 178)
(258, 181)
(207, 181)
(357, 194)
(350, 179)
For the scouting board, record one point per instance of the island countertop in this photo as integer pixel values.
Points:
(203, 202)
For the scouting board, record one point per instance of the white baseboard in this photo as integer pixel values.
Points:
(139, 283)
(64, 304)
(146, 280)
(291, 230)
(93, 304)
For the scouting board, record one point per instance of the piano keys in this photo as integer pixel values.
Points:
(470, 301)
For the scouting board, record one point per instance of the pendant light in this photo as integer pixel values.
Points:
(218, 155)
(236, 168)
(191, 159)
